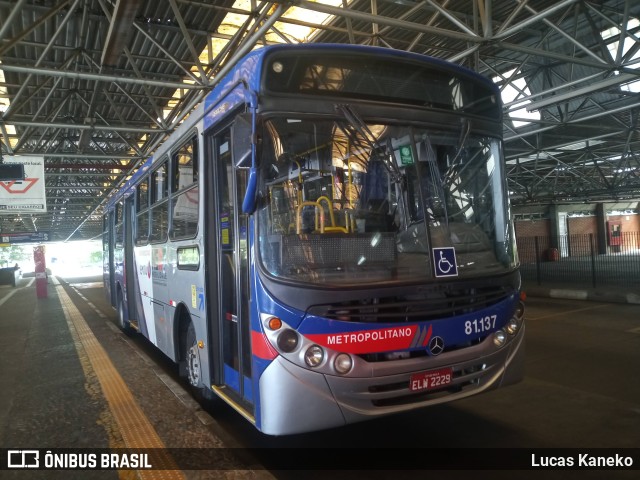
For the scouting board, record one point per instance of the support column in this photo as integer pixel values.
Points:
(601, 228)
(558, 231)
(553, 226)
(41, 271)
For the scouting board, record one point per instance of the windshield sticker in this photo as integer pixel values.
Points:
(406, 157)
(444, 261)
(225, 232)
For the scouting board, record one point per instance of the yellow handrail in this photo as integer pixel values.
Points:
(320, 226)
(329, 207)
(333, 227)
(317, 207)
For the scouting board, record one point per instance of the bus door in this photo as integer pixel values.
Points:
(129, 268)
(232, 360)
(108, 269)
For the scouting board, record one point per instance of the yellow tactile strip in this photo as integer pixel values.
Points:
(136, 430)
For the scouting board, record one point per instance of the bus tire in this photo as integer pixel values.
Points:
(191, 366)
(123, 323)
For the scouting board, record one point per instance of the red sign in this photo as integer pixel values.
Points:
(16, 186)
(25, 195)
(371, 341)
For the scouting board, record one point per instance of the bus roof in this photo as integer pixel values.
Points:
(233, 89)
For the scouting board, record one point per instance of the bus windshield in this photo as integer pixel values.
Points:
(348, 203)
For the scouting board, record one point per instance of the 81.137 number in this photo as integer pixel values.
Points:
(480, 325)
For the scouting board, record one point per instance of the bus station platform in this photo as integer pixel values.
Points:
(62, 390)
(72, 381)
(569, 292)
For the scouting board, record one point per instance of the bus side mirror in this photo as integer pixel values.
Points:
(242, 151)
(249, 202)
(241, 141)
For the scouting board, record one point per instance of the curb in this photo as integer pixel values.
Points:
(583, 294)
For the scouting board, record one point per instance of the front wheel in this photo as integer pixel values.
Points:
(191, 366)
(192, 358)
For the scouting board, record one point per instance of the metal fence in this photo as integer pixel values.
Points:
(581, 260)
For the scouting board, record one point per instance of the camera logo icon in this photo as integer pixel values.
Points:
(23, 459)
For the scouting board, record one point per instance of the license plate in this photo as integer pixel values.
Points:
(430, 380)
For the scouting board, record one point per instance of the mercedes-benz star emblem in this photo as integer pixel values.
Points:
(436, 345)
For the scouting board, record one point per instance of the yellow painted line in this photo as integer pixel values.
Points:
(7, 296)
(83, 286)
(135, 428)
(14, 290)
(568, 312)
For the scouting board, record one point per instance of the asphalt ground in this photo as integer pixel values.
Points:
(581, 393)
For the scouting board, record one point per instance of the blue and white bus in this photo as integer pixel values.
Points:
(326, 239)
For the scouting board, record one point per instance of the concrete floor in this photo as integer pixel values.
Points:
(581, 391)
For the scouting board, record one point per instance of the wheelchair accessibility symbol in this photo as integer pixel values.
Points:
(444, 261)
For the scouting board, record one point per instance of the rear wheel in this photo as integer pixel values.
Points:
(124, 324)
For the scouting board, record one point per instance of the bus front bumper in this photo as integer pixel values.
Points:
(295, 400)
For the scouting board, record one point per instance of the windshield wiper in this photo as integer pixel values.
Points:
(362, 131)
(464, 133)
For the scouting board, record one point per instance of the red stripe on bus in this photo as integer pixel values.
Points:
(261, 347)
(428, 336)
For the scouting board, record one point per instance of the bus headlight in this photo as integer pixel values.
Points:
(287, 340)
(343, 363)
(513, 326)
(499, 338)
(314, 355)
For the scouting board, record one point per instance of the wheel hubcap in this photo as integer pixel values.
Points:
(193, 366)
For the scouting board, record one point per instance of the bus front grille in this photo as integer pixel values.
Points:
(396, 394)
(399, 309)
(382, 394)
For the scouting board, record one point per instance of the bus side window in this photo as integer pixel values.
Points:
(159, 215)
(142, 212)
(185, 193)
(185, 165)
(106, 241)
(119, 220)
